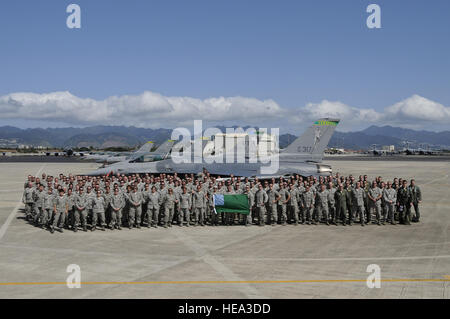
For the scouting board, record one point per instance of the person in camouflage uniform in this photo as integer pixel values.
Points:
(293, 204)
(185, 204)
(273, 198)
(261, 199)
(39, 201)
(169, 201)
(154, 200)
(199, 206)
(375, 195)
(251, 204)
(117, 203)
(332, 203)
(27, 199)
(308, 205)
(358, 199)
(98, 211)
(390, 199)
(60, 209)
(282, 202)
(322, 205)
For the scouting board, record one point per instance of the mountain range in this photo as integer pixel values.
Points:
(122, 136)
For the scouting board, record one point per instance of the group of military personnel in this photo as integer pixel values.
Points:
(113, 201)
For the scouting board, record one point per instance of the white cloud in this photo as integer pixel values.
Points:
(154, 110)
(148, 109)
(418, 108)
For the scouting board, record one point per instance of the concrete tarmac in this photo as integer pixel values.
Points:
(231, 262)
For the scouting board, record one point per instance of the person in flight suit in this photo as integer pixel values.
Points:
(70, 202)
(80, 212)
(404, 199)
(342, 198)
(416, 199)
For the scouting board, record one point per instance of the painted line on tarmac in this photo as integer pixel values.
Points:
(435, 180)
(209, 259)
(200, 282)
(337, 258)
(8, 221)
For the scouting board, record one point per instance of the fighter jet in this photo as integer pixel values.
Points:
(102, 156)
(112, 157)
(303, 157)
(160, 153)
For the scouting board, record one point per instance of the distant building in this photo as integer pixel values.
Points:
(388, 148)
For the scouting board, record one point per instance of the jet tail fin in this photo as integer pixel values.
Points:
(311, 145)
(147, 147)
(165, 147)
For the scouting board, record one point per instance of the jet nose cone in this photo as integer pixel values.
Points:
(100, 171)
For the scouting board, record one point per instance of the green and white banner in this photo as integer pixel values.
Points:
(231, 204)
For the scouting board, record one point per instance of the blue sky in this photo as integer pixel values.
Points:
(295, 53)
